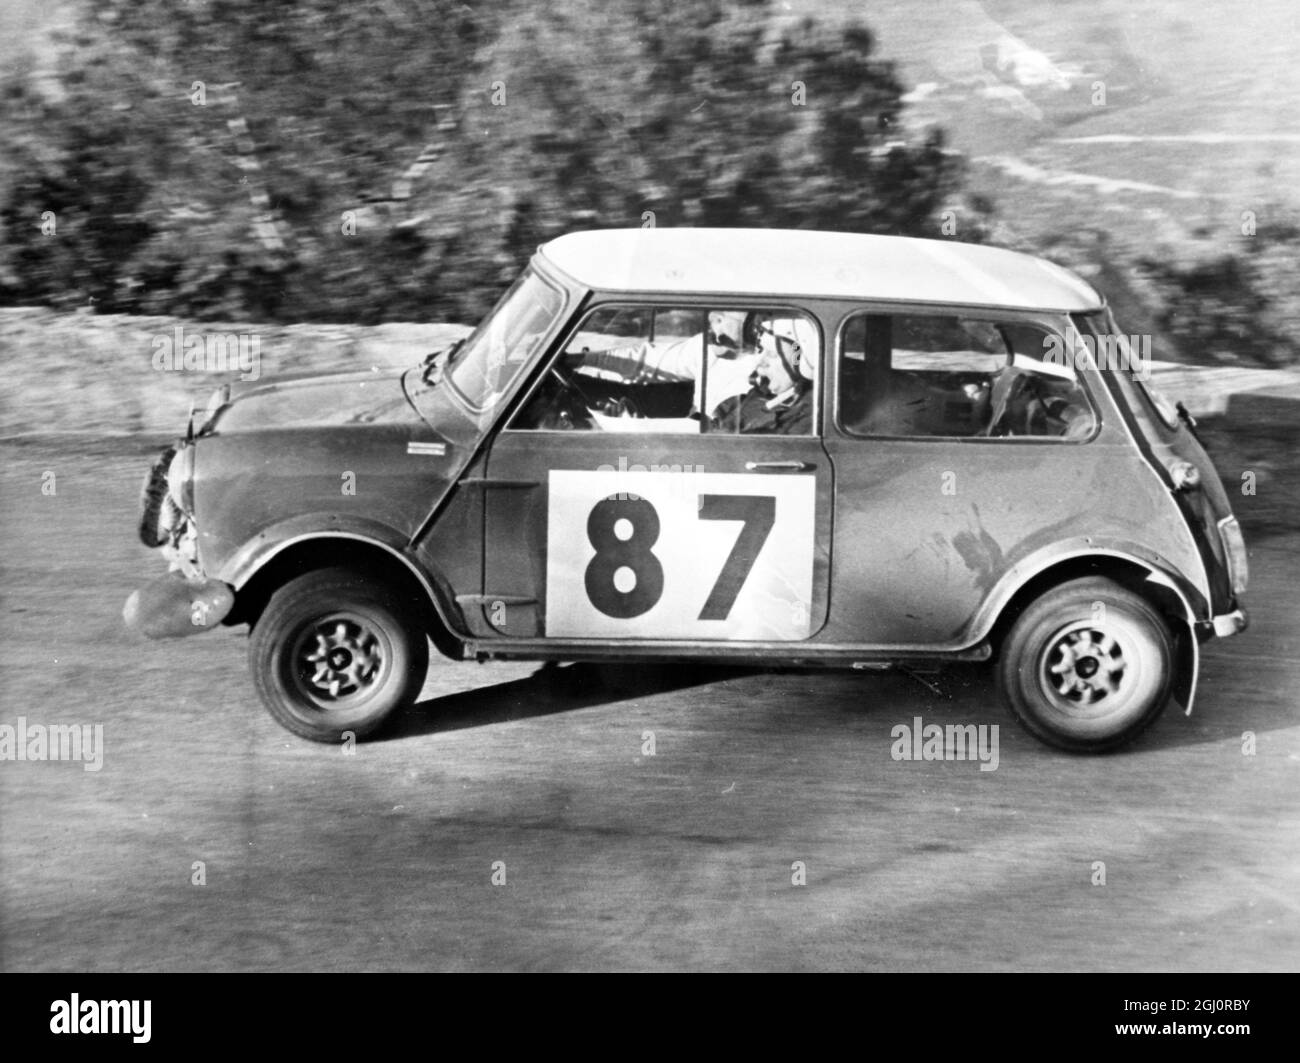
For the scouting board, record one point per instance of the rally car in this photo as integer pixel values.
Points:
(755, 446)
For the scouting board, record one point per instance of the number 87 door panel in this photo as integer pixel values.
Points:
(730, 545)
(686, 555)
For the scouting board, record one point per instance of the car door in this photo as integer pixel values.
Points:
(616, 511)
(961, 454)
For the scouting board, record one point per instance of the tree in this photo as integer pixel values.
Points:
(179, 133)
(232, 159)
(1235, 307)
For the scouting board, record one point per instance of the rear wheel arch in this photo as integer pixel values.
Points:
(1088, 666)
(1176, 605)
(423, 596)
(1128, 572)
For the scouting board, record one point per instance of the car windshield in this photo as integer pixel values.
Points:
(483, 369)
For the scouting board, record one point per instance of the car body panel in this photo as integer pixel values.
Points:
(527, 531)
(804, 264)
(1201, 508)
(902, 547)
(948, 529)
(378, 476)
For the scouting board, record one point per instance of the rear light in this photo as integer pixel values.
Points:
(1185, 475)
(1234, 548)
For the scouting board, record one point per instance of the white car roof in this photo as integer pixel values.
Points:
(799, 262)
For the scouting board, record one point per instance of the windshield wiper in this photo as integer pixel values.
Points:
(1182, 412)
(1187, 419)
(439, 360)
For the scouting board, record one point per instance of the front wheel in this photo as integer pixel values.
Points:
(335, 652)
(1087, 666)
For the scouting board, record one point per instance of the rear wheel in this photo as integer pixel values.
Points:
(1088, 666)
(335, 651)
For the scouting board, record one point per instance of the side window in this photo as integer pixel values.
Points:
(939, 376)
(772, 388)
(683, 370)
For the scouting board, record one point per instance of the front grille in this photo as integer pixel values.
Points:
(156, 520)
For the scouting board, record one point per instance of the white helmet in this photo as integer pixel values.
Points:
(798, 344)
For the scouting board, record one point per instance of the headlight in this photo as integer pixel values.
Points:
(180, 479)
(1234, 548)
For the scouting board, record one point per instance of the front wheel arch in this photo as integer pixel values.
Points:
(360, 555)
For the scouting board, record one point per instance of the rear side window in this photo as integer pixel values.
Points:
(941, 377)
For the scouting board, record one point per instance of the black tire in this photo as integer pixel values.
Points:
(1088, 666)
(336, 651)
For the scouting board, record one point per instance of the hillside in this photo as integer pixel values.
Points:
(1100, 132)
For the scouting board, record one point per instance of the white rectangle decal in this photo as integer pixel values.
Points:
(679, 555)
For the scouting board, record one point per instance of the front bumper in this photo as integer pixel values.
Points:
(172, 606)
(1232, 623)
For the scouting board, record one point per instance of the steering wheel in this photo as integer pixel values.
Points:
(1006, 391)
(620, 407)
(564, 376)
(567, 377)
(568, 405)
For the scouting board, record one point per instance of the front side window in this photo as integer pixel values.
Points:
(686, 370)
(945, 376)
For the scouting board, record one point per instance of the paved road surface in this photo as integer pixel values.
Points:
(315, 860)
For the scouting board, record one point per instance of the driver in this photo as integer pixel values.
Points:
(730, 350)
(780, 401)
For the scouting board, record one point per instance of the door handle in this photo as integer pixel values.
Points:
(779, 466)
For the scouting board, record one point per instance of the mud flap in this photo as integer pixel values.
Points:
(172, 606)
(1178, 611)
(1187, 666)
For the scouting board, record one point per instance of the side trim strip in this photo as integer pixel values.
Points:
(485, 482)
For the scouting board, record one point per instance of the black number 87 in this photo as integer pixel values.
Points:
(635, 553)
